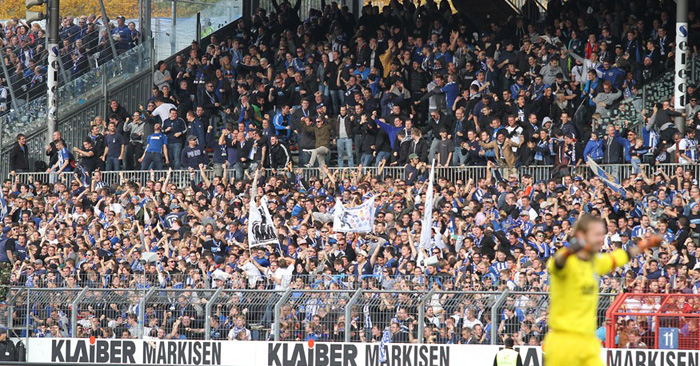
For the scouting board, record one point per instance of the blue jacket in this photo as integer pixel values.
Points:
(281, 123)
(626, 146)
(594, 149)
(614, 75)
(390, 130)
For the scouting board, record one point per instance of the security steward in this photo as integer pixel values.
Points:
(508, 356)
(8, 351)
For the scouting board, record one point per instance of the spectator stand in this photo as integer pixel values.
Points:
(454, 310)
(317, 314)
(80, 100)
(305, 10)
(129, 82)
(661, 88)
(85, 47)
(654, 320)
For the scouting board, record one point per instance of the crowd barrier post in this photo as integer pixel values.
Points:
(494, 316)
(74, 313)
(421, 314)
(142, 309)
(348, 312)
(207, 313)
(278, 311)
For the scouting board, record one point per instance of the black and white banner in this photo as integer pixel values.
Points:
(261, 229)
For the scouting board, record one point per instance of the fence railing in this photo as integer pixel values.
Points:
(455, 174)
(654, 320)
(329, 315)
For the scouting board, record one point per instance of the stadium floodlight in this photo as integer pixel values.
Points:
(33, 16)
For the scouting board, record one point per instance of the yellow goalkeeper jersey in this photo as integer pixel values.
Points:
(574, 291)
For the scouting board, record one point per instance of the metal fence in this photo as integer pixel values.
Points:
(328, 314)
(454, 174)
(654, 320)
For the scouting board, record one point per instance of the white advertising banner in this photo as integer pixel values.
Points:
(235, 353)
(681, 60)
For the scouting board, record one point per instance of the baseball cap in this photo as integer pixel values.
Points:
(192, 138)
(413, 156)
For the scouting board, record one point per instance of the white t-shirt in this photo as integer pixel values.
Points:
(285, 277)
(252, 272)
(471, 323)
(163, 111)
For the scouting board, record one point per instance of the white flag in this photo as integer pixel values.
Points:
(426, 227)
(3, 206)
(261, 230)
(358, 219)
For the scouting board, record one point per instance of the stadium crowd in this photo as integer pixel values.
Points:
(401, 87)
(84, 44)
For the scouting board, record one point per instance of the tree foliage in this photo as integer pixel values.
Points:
(127, 8)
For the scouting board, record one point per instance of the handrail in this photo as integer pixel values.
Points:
(452, 173)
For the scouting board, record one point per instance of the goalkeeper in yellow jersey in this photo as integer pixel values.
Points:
(574, 274)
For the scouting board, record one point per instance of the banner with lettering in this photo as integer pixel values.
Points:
(76, 351)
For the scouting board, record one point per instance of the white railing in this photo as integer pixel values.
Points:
(455, 174)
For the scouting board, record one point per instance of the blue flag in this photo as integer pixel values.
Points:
(610, 181)
(386, 339)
